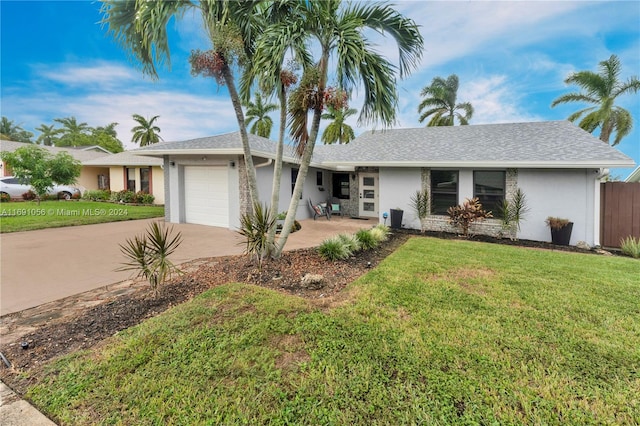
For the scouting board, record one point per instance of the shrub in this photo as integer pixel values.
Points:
(334, 248)
(631, 246)
(149, 254)
(513, 212)
(254, 227)
(144, 198)
(465, 214)
(4, 197)
(123, 196)
(420, 202)
(97, 195)
(351, 241)
(380, 232)
(367, 239)
(29, 195)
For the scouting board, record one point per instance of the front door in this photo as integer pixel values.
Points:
(368, 194)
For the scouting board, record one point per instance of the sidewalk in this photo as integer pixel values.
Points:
(17, 412)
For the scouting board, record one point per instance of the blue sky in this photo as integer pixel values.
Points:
(511, 57)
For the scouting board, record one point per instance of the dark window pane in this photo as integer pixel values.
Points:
(444, 190)
(144, 180)
(319, 179)
(340, 187)
(489, 187)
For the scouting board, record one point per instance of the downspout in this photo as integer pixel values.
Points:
(265, 164)
(601, 173)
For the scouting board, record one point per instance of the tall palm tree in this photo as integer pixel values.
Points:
(145, 133)
(259, 111)
(440, 103)
(47, 135)
(338, 32)
(141, 27)
(601, 90)
(338, 130)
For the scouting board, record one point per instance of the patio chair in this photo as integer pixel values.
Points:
(319, 210)
(333, 204)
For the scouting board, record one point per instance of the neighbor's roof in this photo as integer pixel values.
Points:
(549, 144)
(634, 176)
(79, 154)
(126, 158)
(554, 144)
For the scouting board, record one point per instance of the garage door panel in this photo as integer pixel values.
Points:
(206, 195)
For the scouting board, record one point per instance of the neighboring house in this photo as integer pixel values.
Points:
(91, 177)
(556, 164)
(634, 176)
(133, 172)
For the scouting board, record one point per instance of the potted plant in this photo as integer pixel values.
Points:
(560, 230)
(396, 218)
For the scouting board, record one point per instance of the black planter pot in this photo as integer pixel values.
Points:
(562, 236)
(396, 218)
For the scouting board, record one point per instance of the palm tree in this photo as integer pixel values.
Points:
(440, 103)
(338, 130)
(338, 32)
(71, 131)
(47, 135)
(145, 133)
(258, 111)
(601, 90)
(13, 132)
(141, 27)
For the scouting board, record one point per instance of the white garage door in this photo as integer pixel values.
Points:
(206, 195)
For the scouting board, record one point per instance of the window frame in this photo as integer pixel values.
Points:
(443, 193)
(483, 197)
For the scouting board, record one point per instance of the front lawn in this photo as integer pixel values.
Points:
(441, 332)
(27, 216)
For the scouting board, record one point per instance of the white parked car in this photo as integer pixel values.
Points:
(14, 187)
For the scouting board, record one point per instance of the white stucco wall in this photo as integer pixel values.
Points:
(396, 186)
(570, 194)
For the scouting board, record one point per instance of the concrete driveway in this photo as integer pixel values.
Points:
(46, 265)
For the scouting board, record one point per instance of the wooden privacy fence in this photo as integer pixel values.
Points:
(619, 212)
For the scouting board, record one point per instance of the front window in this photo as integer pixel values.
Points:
(341, 186)
(131, 179)
(294, 177)
(144, 180)
(489, 187)
(444, 190)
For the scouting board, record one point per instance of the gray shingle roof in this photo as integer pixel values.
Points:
(538, 144)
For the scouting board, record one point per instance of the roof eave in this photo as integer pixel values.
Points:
(343, 165)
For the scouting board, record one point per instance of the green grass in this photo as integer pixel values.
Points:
(27, 216)
(442, 332)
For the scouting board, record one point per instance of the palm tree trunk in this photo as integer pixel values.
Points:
(277, 168)
(306, 158)
(605, 133)
(244, 136)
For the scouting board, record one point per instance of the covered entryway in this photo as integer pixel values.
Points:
(206, 195)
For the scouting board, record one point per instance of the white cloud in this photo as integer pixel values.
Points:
(100, 73)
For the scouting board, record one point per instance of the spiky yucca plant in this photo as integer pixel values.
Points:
(149, 254)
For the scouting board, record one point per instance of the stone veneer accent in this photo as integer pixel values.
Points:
(490, 227)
